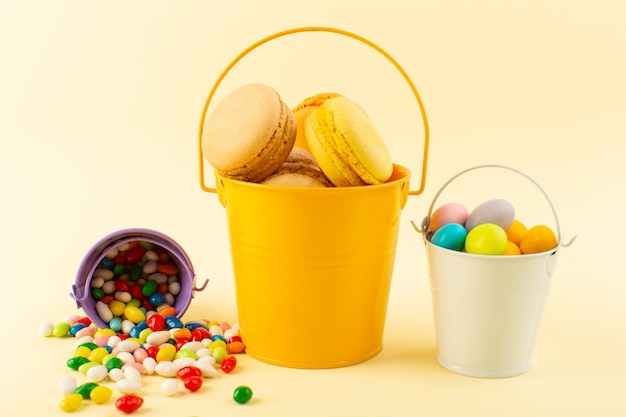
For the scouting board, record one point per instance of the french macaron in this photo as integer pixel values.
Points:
(249, 134)
(346, 144)
(298, 170)
(301, 112)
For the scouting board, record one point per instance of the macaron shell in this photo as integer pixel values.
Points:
(321, 144)
(299, 170)
(346, 144)
(302, 111)
(360, 141)
(249, 133)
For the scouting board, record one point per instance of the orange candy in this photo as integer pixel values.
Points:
(167, 311)
(167, 269)
(516, 232)
(538, 239)
(512, 249)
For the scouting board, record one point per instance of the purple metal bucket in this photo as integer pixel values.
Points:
(81, 289)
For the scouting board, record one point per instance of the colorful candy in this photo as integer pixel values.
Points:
(490, 229)
(242, 394)
(188, 352)
(128, 403)
(132, 280)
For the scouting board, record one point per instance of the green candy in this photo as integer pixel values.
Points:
(135, 272)
(76, 362)
(149, 288)
(114, 363)
(242, 394)
(85, 389)
(88, 345)
(61, 329)
(119, 269)
(97, 294)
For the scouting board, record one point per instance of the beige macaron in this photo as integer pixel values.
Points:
(249, 134)
(299, 170)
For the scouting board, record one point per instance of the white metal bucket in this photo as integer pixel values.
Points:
(487, 309)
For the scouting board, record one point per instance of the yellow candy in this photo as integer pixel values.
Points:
(134, 314)
(98, 354)
(100, 394)
(143, 335)
(71, 402)
(217, 343)
(82, 351)
(117, 308)
(134, 303)
(166, 352)
(104, 332)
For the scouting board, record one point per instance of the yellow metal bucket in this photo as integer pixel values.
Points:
(313, 266)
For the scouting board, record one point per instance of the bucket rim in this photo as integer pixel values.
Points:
(496, 258)
(401, 174)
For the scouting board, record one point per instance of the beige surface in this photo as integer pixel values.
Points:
(99, 109)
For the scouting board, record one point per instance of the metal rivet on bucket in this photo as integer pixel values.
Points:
(487, 308)
(311, 260)
(81, 289)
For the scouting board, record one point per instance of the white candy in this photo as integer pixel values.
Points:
(97, 373)
(127, 325)
(208, 370)
(193, 346)
(45, 329)
(128, 386)
(123, 296)
(67, 385)
(132, 374)
(169, 387)
(109, 287)
(182, 362)
(209, 360)
(149, 364)
(169, 298)
(84, 339)
(203, 352)
(123, 247)
(104, 311)
(158, 277)
(228, 334)
(97, 282)
(104, 273)
(174, 288)
(216, 330)
(158, 338)
(125, 357)
(116, 374)
(128, 345)
(152, 256)
(167, 369)
(114, 341)
(150, 267)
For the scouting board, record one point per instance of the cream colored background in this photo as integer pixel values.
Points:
(99, 109)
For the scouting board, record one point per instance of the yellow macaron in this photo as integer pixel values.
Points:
(346, 144)
(302, 111)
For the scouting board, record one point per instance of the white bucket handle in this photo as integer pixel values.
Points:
(426, 221)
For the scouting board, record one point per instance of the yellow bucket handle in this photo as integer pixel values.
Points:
(314, 29)
(425, 226)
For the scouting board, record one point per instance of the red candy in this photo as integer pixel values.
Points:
(193, 383)
(122, 285)
(134, 255)
(188, 371)
(200, 333)
(167, 269)
(228, 364)
(128, 403)
(156, 322)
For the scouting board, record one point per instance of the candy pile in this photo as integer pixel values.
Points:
(133, 279)
(490, 229)
(163, 345)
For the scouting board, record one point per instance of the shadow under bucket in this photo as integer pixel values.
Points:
(312, 265)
